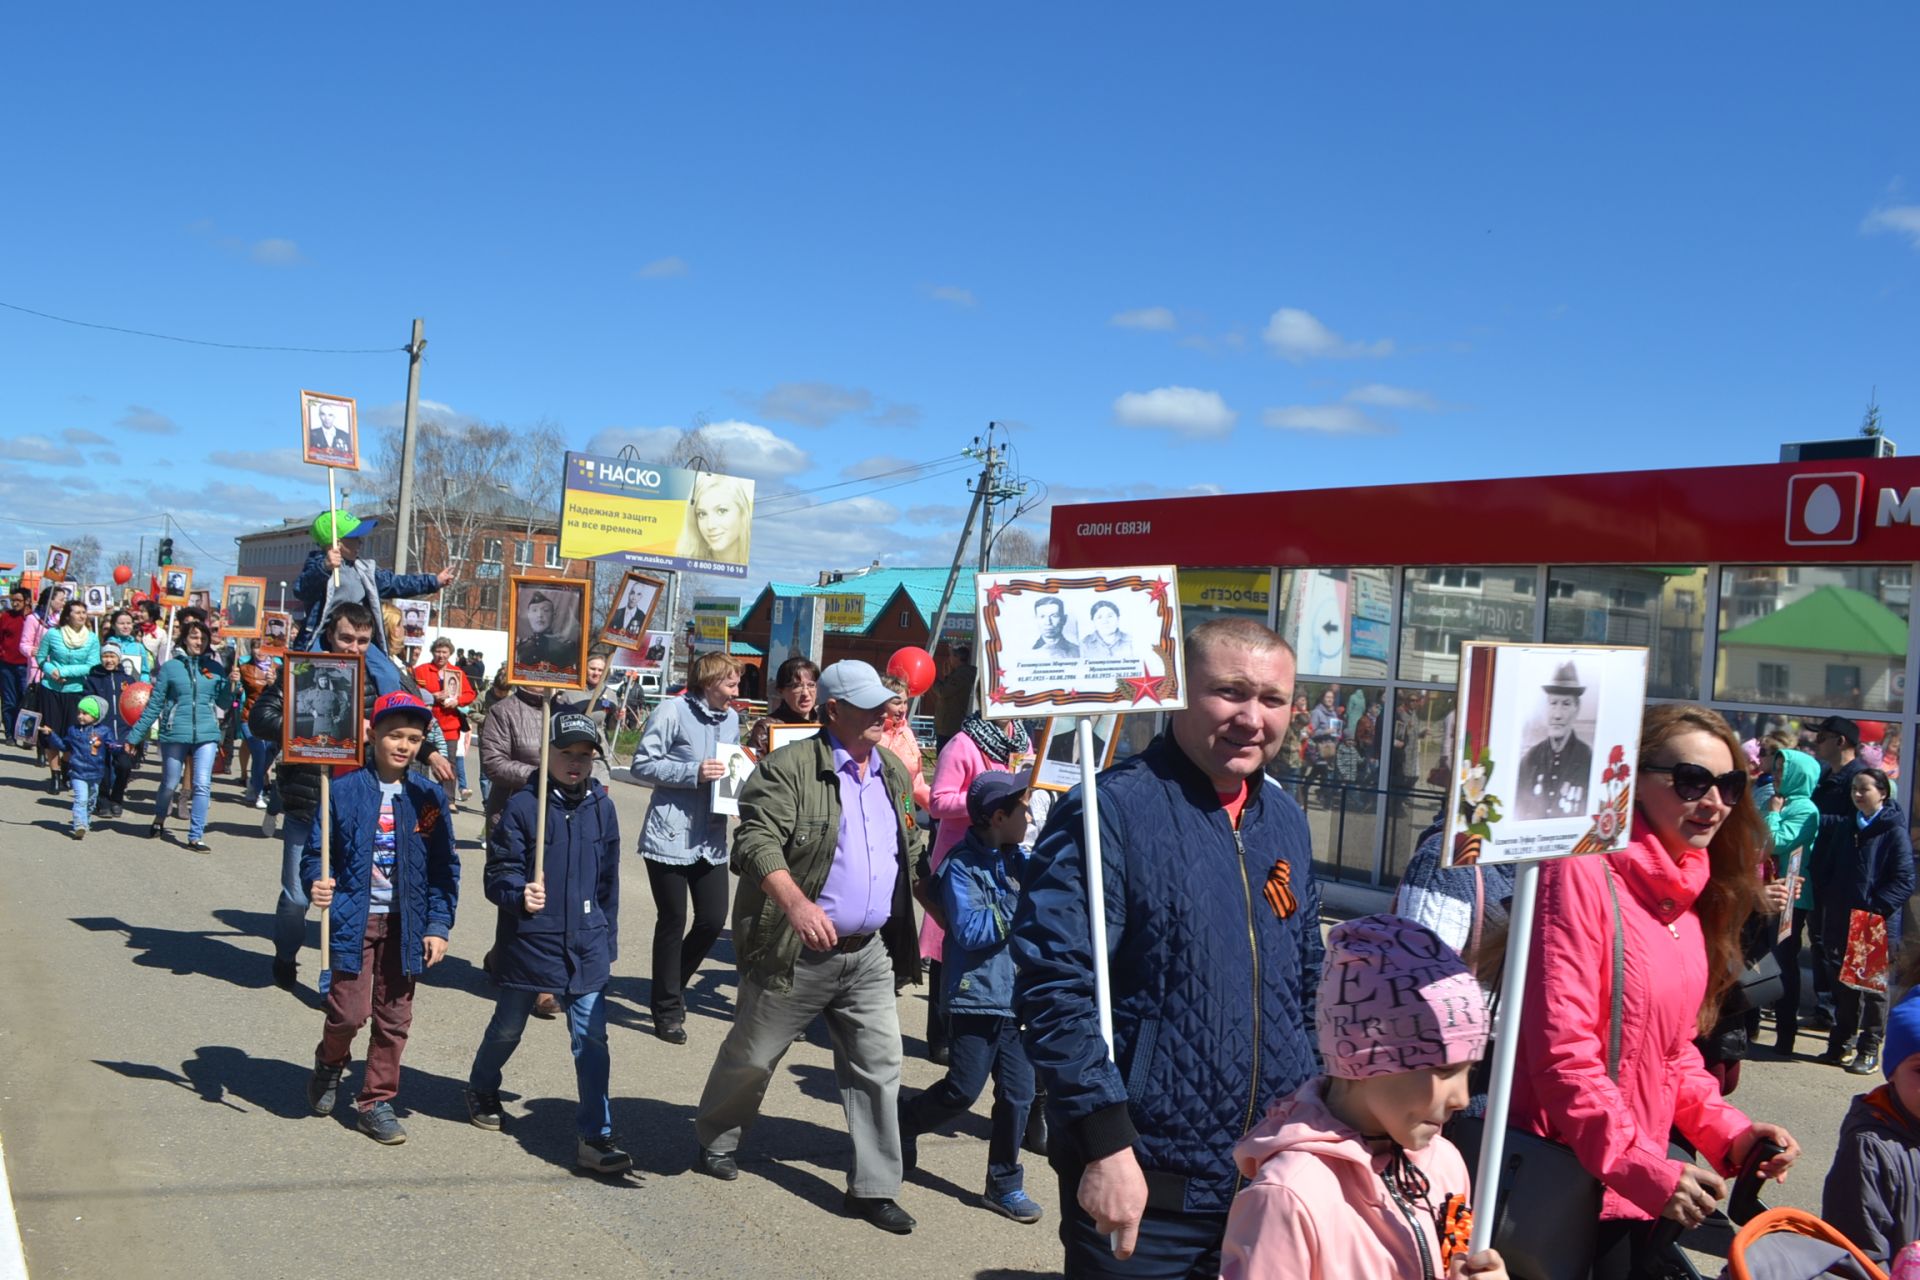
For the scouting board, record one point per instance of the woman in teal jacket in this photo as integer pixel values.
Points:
(1794, 821)
(67, 651)
(186, 693)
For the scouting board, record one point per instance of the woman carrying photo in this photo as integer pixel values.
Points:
(682, 839)
(796, 688)
(185, 696)
(719, 519)
(67, 652)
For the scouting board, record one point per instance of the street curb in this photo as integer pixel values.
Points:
(13, 1258)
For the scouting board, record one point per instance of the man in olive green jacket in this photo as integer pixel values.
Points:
(823, 923)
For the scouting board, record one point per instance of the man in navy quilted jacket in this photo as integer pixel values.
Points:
(1213, 939)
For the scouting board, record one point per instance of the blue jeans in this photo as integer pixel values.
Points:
(260, 754)
(459, 765)
(982, 1044)
(1171, 1246)
(173, 759)
(290, 912)
(13, 691)
(586, 1025)
(85, 792)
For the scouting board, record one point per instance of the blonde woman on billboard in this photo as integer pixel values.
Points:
(719, 519)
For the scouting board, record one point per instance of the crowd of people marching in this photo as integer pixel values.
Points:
(1275, 1100)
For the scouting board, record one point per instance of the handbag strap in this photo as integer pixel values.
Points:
(1617, 1015)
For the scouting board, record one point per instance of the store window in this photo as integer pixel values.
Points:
(1418, 746)
(1206, 594)
(1658, 608)
(1813, 635)
(1448, 606)
(1339, 621)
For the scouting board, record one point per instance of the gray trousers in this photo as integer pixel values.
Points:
(856, 993)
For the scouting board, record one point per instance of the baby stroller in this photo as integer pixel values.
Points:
(1786, 1244)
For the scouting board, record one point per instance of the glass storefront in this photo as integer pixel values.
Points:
(1814, 635)
(1662, 609)
(1446, 607)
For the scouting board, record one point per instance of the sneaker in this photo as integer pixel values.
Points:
(79, 833)
(260, 802)
(269, 825)
(1865, 1063)
(483, 1111)
(378, 1123)
(1017, 1205)
(323, 1086)
(600, 1155)
(199, 846)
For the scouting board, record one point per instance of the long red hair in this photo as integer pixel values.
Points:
(1732, 892)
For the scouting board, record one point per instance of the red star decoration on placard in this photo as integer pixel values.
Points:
(994, 593)
(1158, 590)
(999, 693)
(1144, 687)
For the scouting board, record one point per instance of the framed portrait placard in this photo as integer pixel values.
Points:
(241, 600)
(323, 724)
(547, 636)
(329, 430)
(1080, 642)
(1545, 752)
(176, 585)
(415, 617)
(276, 633)
(780, 735)
(724, 791)
(98, 597)
(632, 610)
(58, 558)
(1057, 767)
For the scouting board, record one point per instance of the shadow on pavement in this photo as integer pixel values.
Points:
(188, 951)
(218, 1073)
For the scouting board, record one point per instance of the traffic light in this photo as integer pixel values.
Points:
(166, 551)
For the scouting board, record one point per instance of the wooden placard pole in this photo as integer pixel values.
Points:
(333, 527)
(540, 812)
(325, 983)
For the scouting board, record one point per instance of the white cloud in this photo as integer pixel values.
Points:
(1157, 319)
(41, 449)
(1185, 411)
(663, 268)
(879, 464)
(394, 414)
(953, 295)
(812, 404)
(651, 443)
(1326, 419)
(148, 421)
(274, 252)
(1298, 336)
(80, 435)
(1381, 396)
(1901, 219)
(745, 448)
(286, 464)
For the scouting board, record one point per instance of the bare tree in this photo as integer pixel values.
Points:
(129, 557)
(85, 564)
(1016, 547)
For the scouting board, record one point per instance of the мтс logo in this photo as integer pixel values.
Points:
(1823, 509)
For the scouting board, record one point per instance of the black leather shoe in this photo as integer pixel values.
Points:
(286, 974)
(671, 1032)
(884, 1214)
(717, 1164)
(1865, 1063)
(1836, 1055)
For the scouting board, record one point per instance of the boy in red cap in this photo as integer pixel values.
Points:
(392, 880)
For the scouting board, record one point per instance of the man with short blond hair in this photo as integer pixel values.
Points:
(1213, 942)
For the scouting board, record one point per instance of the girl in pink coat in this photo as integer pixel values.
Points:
(1686, 884)
(1349, 1177)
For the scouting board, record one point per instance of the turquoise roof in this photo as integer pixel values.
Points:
(923, 587)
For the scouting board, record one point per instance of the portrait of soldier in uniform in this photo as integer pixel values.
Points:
(1556, 771)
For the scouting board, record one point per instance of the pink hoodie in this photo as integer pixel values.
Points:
(1316, 1207)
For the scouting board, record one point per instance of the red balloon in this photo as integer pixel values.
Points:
(915, 666)
(133, 701)
(122, 574)
(1872, 731)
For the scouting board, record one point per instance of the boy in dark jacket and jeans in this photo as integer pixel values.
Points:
(88, 746)
(557, 933)
(977, 887)
(392, 880)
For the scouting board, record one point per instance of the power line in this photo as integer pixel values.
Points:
(202, 342)
(878, 475)
(965, 465)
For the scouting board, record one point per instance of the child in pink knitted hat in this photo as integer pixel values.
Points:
(1349, 1176)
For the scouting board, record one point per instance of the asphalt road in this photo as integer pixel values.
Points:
(154, 1121)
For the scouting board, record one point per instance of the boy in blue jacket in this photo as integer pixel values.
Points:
(558, 933)
(88, 744)
(977, 887)
(392, 880)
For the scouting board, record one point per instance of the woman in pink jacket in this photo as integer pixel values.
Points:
(1686, 883)
(980, 745)
(897, 736)
(1350, 1176)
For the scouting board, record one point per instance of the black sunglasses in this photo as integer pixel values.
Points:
(1692, 781)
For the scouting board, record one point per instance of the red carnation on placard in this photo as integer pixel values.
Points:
(1618, 754)
(1621, 773)
(1607, 774)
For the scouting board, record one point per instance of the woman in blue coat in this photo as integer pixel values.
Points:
(558, 932)
(1874, 873)
(191, 687)
(67, 651)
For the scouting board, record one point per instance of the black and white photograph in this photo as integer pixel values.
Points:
(276, 632)
(202, 599)
(30, 560)
(98, 597)
(547, 633)
(240, 601)
(415, 617)
(176, 585)
(726, 788)
(654, 652)
(1057, 768)
(329, 430)
(26, 728)
(1546, 740)
(323, 689)
(632, 610)
(58, 558)
(1091, 641)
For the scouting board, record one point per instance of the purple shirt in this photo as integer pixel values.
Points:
(858, 894)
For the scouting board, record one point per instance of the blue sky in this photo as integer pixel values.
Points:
(1182, 248)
